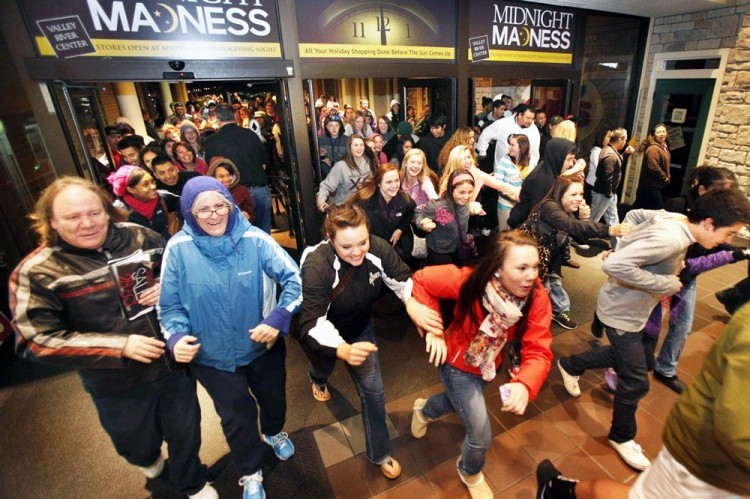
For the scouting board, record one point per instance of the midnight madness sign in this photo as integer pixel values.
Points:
(190, 29)
(521, 32)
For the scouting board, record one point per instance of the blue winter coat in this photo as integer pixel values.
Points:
(218, 288)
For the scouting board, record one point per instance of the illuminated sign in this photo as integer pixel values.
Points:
(523, 32)
(417, 30)
(189, 29)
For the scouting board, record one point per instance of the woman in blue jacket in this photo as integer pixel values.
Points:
(219, 314)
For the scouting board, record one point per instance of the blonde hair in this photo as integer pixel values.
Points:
(455, 162)
(415, 152)
(460, 137)
(566, 130)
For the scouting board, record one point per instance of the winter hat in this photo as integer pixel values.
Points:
(404, 128)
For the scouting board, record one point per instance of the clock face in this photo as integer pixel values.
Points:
(380, 25)
(403, 26)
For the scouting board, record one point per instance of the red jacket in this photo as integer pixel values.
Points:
(444, 282)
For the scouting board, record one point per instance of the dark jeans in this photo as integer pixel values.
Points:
(238, 409)
(371, 392)
(631, 357)
(262, 206)
(649, 198)
(140, 419)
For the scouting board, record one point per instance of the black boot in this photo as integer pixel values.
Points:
(733, 298)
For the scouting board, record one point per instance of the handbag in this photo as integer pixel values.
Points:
(545, 242)
(419, 248)
(467, 248)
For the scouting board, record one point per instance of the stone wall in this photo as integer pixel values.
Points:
(723, 27)
(729, 141)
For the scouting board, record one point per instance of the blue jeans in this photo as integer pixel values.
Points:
(464, 395)
(601, 205)
(139, 419)
(262, 207)
(557, 295)
(674, 342)
(371, 393)
(628, 354)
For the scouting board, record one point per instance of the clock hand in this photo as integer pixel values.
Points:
(383, 22)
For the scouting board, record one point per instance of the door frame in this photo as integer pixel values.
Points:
(660, 72)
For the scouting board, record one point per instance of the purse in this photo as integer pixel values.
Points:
(545, 243)
(419, 248)
(467, 248)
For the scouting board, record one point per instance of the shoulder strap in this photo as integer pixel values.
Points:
(336, 292)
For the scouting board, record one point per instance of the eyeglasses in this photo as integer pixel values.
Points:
(205, 213)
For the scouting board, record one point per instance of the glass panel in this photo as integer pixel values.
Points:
(610, 50)
(712, 63)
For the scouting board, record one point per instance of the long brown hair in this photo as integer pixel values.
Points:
(342, 217)
(558, 189)
(459, 138)
(368, 156)
(474, 287)
(371, 186)
(524, 148)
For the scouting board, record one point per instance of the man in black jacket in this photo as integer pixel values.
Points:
(244, 149)
(69, 310)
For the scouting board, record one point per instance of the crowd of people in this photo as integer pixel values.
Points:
(204, 293)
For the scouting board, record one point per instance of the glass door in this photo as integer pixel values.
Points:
(427, 97)
(553, 96)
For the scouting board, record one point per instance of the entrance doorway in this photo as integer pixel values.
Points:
(87, 109)
(682, 105)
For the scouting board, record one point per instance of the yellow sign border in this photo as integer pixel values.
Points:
(367, 51)
(530, 56)
(106, 47)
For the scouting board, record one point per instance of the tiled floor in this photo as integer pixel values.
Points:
(571, 432)
(39, 460)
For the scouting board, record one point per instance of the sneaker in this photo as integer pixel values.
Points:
(282, 446)
(570, 381)
(391, 469)
(477, 485)
(207, 492)
(632, 454)
(155, 469)
(253, 486)
(320, 392)
(563, 320)
(418, 420)
(550, 483)
(672, 382)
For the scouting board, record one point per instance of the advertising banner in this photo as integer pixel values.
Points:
(521, 32)
(180, 29)
(413, 30)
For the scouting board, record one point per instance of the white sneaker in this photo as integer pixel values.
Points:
(632, 454)
(155, 469)
(207, 492)
(570, 381)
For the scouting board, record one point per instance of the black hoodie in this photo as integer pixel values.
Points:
(540, 180)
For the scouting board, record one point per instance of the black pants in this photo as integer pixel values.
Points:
(649, 198)
(140, 419)
(237, 407)
(631, 356)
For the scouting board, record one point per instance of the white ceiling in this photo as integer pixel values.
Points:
(645, 8)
